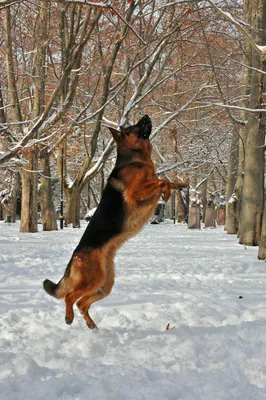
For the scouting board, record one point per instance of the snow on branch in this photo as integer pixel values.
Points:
(259, 49)
(253, 110)
(85, 2)
(8, 3)
(102, 4)
(100, 162)
(174, 114)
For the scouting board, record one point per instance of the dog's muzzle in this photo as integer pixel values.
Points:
(145, 127)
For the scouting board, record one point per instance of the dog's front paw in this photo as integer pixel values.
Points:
(69, 317)
(166, 196)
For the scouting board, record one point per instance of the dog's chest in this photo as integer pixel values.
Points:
(138, 215)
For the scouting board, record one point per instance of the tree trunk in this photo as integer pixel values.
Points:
(72, 190)
(239, 187)
(46, 195)
(262, 244)
(252, 197)
(204, 199)
(11, 206)
(29, 210)
(234, 208)
(11, 76)
(29, 179)
(181, 209)
(231, 222)
(253, 185)
(72, 214)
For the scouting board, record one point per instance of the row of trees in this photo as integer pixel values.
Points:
(245, 184)
(69, 70)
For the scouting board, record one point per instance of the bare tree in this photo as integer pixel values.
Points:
(34, 116)
(100, 64)
(253, 185)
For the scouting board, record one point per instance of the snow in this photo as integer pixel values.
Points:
(262, 49)
(208, 287)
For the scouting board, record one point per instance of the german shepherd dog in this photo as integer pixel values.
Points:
(128, 201)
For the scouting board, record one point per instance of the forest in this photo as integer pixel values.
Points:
(70, 69)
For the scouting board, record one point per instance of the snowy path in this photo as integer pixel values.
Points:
(167, 274)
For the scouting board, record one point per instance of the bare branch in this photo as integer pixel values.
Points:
(261, 50)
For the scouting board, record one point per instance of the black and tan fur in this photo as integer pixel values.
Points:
(127, 203)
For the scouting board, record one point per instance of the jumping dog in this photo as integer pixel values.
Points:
(128, 202)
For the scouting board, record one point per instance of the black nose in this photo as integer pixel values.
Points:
(145, 127)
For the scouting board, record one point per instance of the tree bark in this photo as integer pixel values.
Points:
(262, 244)
(9, 202)
(11, 76)
(181, 209)
(204, 199)
(231, 221)
(8, 208)
(29, 179)
(72, 214)
(45, 194)
(29, 174)
(253, 185)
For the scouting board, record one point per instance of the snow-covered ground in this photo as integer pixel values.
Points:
(215, 347)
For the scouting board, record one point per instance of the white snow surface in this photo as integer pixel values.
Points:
(192, 279)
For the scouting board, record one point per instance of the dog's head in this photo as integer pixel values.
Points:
(134, 138)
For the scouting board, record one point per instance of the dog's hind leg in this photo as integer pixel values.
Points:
(70, 299)
(86, 275)
(83, 305)
(86, 301)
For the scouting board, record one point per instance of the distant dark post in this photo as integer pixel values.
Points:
(174, 205)
(210, 213)
(221, 215)
(194, 217)
(210, 217)
(194, 210)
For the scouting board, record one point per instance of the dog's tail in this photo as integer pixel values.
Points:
(57, 290)
(50, 287)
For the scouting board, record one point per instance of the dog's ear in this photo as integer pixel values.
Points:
(115, 133)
